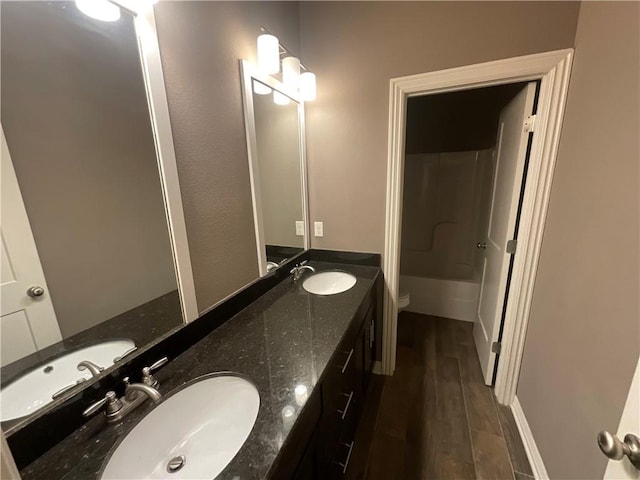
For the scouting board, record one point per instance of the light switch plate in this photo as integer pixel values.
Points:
(318, 229)
(300, 228)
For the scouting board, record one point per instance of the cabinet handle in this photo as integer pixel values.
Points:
(346, 463)
(346, 364)
(346, 407)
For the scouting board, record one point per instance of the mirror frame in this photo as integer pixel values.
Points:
(149, 50)
(249, 72)
(153, 78)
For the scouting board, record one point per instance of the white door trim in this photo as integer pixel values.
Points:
(552, 69)
(161, 124)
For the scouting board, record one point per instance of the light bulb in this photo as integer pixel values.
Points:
(99, 9)
(269, 53)
(260, 88)
(291, 72)
(308, 86)
(280, 99)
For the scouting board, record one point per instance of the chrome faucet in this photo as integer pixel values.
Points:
(135, 394)
(299, 269)
(92, 367)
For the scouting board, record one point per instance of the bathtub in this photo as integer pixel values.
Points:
(442, 297)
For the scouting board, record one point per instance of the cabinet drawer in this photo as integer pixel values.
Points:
(339, 379)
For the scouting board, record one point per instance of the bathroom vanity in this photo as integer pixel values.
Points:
(309, 356)
(126, 272)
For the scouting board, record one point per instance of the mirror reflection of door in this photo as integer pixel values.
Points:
(28, 319)
(279, 168)
(77, 126)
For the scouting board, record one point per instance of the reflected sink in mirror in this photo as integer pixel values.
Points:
(192, 434)
(37, 388)
(329, 283)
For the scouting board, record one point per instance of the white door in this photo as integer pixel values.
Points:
(507, 181)
(629, 423)
(28, 323)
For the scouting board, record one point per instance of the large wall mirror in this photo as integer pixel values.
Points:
(88, 255)
(274, 120)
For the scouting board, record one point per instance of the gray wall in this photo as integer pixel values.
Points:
(75, 115)
(355, 48)
(584, 330)
(200, 45)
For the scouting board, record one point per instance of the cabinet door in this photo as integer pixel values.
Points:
(307, 468)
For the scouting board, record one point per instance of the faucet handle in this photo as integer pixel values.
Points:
(158, 364)
(64, 390)
(110, 400)
(120, 357)
(147, 378)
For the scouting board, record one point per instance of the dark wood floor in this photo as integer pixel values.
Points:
(435, 418)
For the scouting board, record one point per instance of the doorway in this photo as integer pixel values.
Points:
(552, 70)
(465, 165)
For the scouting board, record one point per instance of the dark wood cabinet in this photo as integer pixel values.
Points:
(369, 346)
(328, 449)
(343, 395)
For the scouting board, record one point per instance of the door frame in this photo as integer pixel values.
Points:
(552, 69)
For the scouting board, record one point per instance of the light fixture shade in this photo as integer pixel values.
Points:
(291, 72)
(308, 86)
(260, 88)
(99, 9)
(269, 53)
(280, 99)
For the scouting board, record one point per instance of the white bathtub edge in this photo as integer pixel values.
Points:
(442, 298)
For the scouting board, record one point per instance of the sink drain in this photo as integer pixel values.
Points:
(48, 369)
(176, 463)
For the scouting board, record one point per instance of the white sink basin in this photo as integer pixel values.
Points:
(329, 283)
(34, 389)
(198, 430)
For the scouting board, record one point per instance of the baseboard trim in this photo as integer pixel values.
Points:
(377, 368)
(535, 459)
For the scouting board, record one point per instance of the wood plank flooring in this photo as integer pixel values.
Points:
(435, 418)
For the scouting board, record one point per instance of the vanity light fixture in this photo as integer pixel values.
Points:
(102, 10)
(269, 53)
(308, 86)
(291, 72)
(280, 99)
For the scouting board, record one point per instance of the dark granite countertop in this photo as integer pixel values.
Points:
(282, 340)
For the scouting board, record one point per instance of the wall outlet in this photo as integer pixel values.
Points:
(318, 229)
(300, 228)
